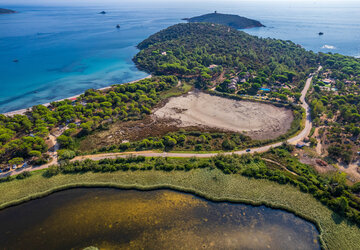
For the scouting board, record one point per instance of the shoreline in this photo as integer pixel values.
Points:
(24, 110)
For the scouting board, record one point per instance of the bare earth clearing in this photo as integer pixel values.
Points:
(258, 120)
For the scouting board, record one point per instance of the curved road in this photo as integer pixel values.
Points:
(294, 140)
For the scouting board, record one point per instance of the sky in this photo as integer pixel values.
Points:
(168, 2)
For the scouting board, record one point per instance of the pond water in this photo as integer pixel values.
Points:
(121, 219)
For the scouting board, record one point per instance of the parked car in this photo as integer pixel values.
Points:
(248, 150)
(7, 169)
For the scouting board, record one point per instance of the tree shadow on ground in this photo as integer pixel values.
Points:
(337, 218)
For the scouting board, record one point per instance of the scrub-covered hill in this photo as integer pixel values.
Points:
(234, 21)
(205, 50)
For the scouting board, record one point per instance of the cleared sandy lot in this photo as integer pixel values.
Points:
(258, 120)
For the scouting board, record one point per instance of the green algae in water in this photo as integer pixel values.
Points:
(107, 218)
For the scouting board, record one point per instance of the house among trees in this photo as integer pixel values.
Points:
(212, 66)
(328, 81)
(233, 83)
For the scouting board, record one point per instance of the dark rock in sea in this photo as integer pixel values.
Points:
(234, 21)
(321, 33)
(118, 26)
(6, 11)
(103, 12)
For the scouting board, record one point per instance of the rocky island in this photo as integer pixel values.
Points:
(6, 11)
(234, 21)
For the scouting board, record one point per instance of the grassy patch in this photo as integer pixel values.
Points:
(176, 91)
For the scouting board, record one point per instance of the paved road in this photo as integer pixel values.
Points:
(308, 125)
(294, 140)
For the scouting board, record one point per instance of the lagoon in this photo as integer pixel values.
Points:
(115, 219)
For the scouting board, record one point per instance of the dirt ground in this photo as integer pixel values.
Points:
(203, 113)
(311, 158)
(257, 120)
(319, 147)
(314, 161)
(351, 169)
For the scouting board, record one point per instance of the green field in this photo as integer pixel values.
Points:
(336, 233)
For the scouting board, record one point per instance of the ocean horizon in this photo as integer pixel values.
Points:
(62, 51)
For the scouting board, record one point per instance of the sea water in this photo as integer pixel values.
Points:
(62, 51)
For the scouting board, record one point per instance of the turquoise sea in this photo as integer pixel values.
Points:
(63, 50)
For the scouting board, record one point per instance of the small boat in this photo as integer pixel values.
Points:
(321, 33)
(15, 60)
(103, 12)
(118, 26)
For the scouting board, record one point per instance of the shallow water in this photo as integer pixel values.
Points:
(63, 51)
(115, 219)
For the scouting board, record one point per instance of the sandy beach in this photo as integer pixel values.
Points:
(23, 111)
